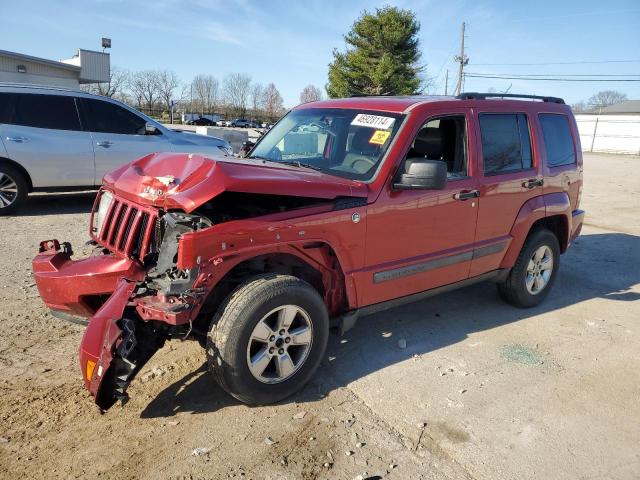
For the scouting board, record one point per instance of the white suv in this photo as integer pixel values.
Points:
(57, 139)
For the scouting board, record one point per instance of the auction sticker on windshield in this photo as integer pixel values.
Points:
(373, 121)
(379, 137)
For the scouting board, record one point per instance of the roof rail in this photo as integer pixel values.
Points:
(484, 96)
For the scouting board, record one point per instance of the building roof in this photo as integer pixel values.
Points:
(44, 61)
(628, 106)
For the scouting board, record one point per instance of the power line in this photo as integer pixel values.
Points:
(558, 63)
(555, 79)
(592, 75)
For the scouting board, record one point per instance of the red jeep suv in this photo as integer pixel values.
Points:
(343, 208)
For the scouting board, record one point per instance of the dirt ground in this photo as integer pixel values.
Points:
(482, 390)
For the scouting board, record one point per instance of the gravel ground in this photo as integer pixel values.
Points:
(480, 389)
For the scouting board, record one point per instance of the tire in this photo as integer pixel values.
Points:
(519, 289)
(13, 189)
(246, 329)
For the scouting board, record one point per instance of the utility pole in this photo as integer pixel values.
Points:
(446, 82)
(462, 59)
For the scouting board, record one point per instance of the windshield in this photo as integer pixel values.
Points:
(341, 142)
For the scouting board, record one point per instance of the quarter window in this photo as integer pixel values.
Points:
(558, 142)
(106, 117)
(506, 144)
(56, 112)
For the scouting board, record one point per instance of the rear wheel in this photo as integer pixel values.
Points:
(267, 338)
(13, 189)
(534, 272)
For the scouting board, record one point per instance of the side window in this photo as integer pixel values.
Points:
(506, 143)
(558, 142)
(56, 112)
(444, 139)
(106, 117)
(7, 102)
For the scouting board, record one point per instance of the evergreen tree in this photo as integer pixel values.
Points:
(381, 58)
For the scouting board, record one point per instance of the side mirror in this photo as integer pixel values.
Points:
(150, 129)
(422, 174)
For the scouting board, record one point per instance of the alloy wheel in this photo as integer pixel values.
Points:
(279, 344)
(8, 190)
(539, 270)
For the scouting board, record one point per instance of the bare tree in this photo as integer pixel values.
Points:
(273, 103)
(145, 88)
(168, 83)
(237, 88)
(206, 91)
(580, 107)
(310, 93)
(256, 98)
(606, 98)
(115, 87)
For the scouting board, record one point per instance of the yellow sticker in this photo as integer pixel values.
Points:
(379, 137)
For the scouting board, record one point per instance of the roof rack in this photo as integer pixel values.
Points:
(484, 96)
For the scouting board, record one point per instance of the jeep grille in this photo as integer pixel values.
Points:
(128, 228)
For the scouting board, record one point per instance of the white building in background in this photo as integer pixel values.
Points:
(87, 66)
(614, 129)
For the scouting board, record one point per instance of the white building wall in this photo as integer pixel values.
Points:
(609, 133)
(37, 73)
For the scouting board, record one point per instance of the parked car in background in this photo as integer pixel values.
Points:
(59, 139)
(240, 122)
(203, 121)
(257, 257)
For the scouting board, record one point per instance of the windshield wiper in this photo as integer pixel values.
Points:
(294, 163)
(299, 164)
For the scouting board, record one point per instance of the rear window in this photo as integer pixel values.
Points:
(56, 112)
(558, 142)
(506, 144)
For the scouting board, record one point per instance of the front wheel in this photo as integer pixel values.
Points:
(13, 189)
(534, 272)
(267, 339)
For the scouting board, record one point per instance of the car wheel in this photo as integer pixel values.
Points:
(268, 338)
(13, 189)
(534, 272)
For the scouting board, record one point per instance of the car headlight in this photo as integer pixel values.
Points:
(101, 213)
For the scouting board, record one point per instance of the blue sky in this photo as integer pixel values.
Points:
(290, 42)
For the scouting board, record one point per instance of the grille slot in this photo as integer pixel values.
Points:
(128, 229)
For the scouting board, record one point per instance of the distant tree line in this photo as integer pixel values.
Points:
(152, 91)
(599, 100)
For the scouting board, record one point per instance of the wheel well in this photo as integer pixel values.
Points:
(557, 224)
(281, 263)
(21, 169)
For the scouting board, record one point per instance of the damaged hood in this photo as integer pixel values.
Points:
(186, 181)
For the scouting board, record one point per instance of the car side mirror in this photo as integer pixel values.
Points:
(422, 174)
(150, 129)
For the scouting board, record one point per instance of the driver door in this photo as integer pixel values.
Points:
(422, 239)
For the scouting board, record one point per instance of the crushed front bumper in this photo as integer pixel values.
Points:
(75, 289)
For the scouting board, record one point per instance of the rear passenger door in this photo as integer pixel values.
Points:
(42, 133)
(509, 175)
(118, 135)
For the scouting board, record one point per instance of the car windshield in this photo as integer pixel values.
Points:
(342, 142)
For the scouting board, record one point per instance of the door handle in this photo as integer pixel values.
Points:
(18, 139)
(532, 183)
(104, 143)
(466, 195)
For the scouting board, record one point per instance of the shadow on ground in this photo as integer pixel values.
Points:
(57, 203)
(597, 266)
